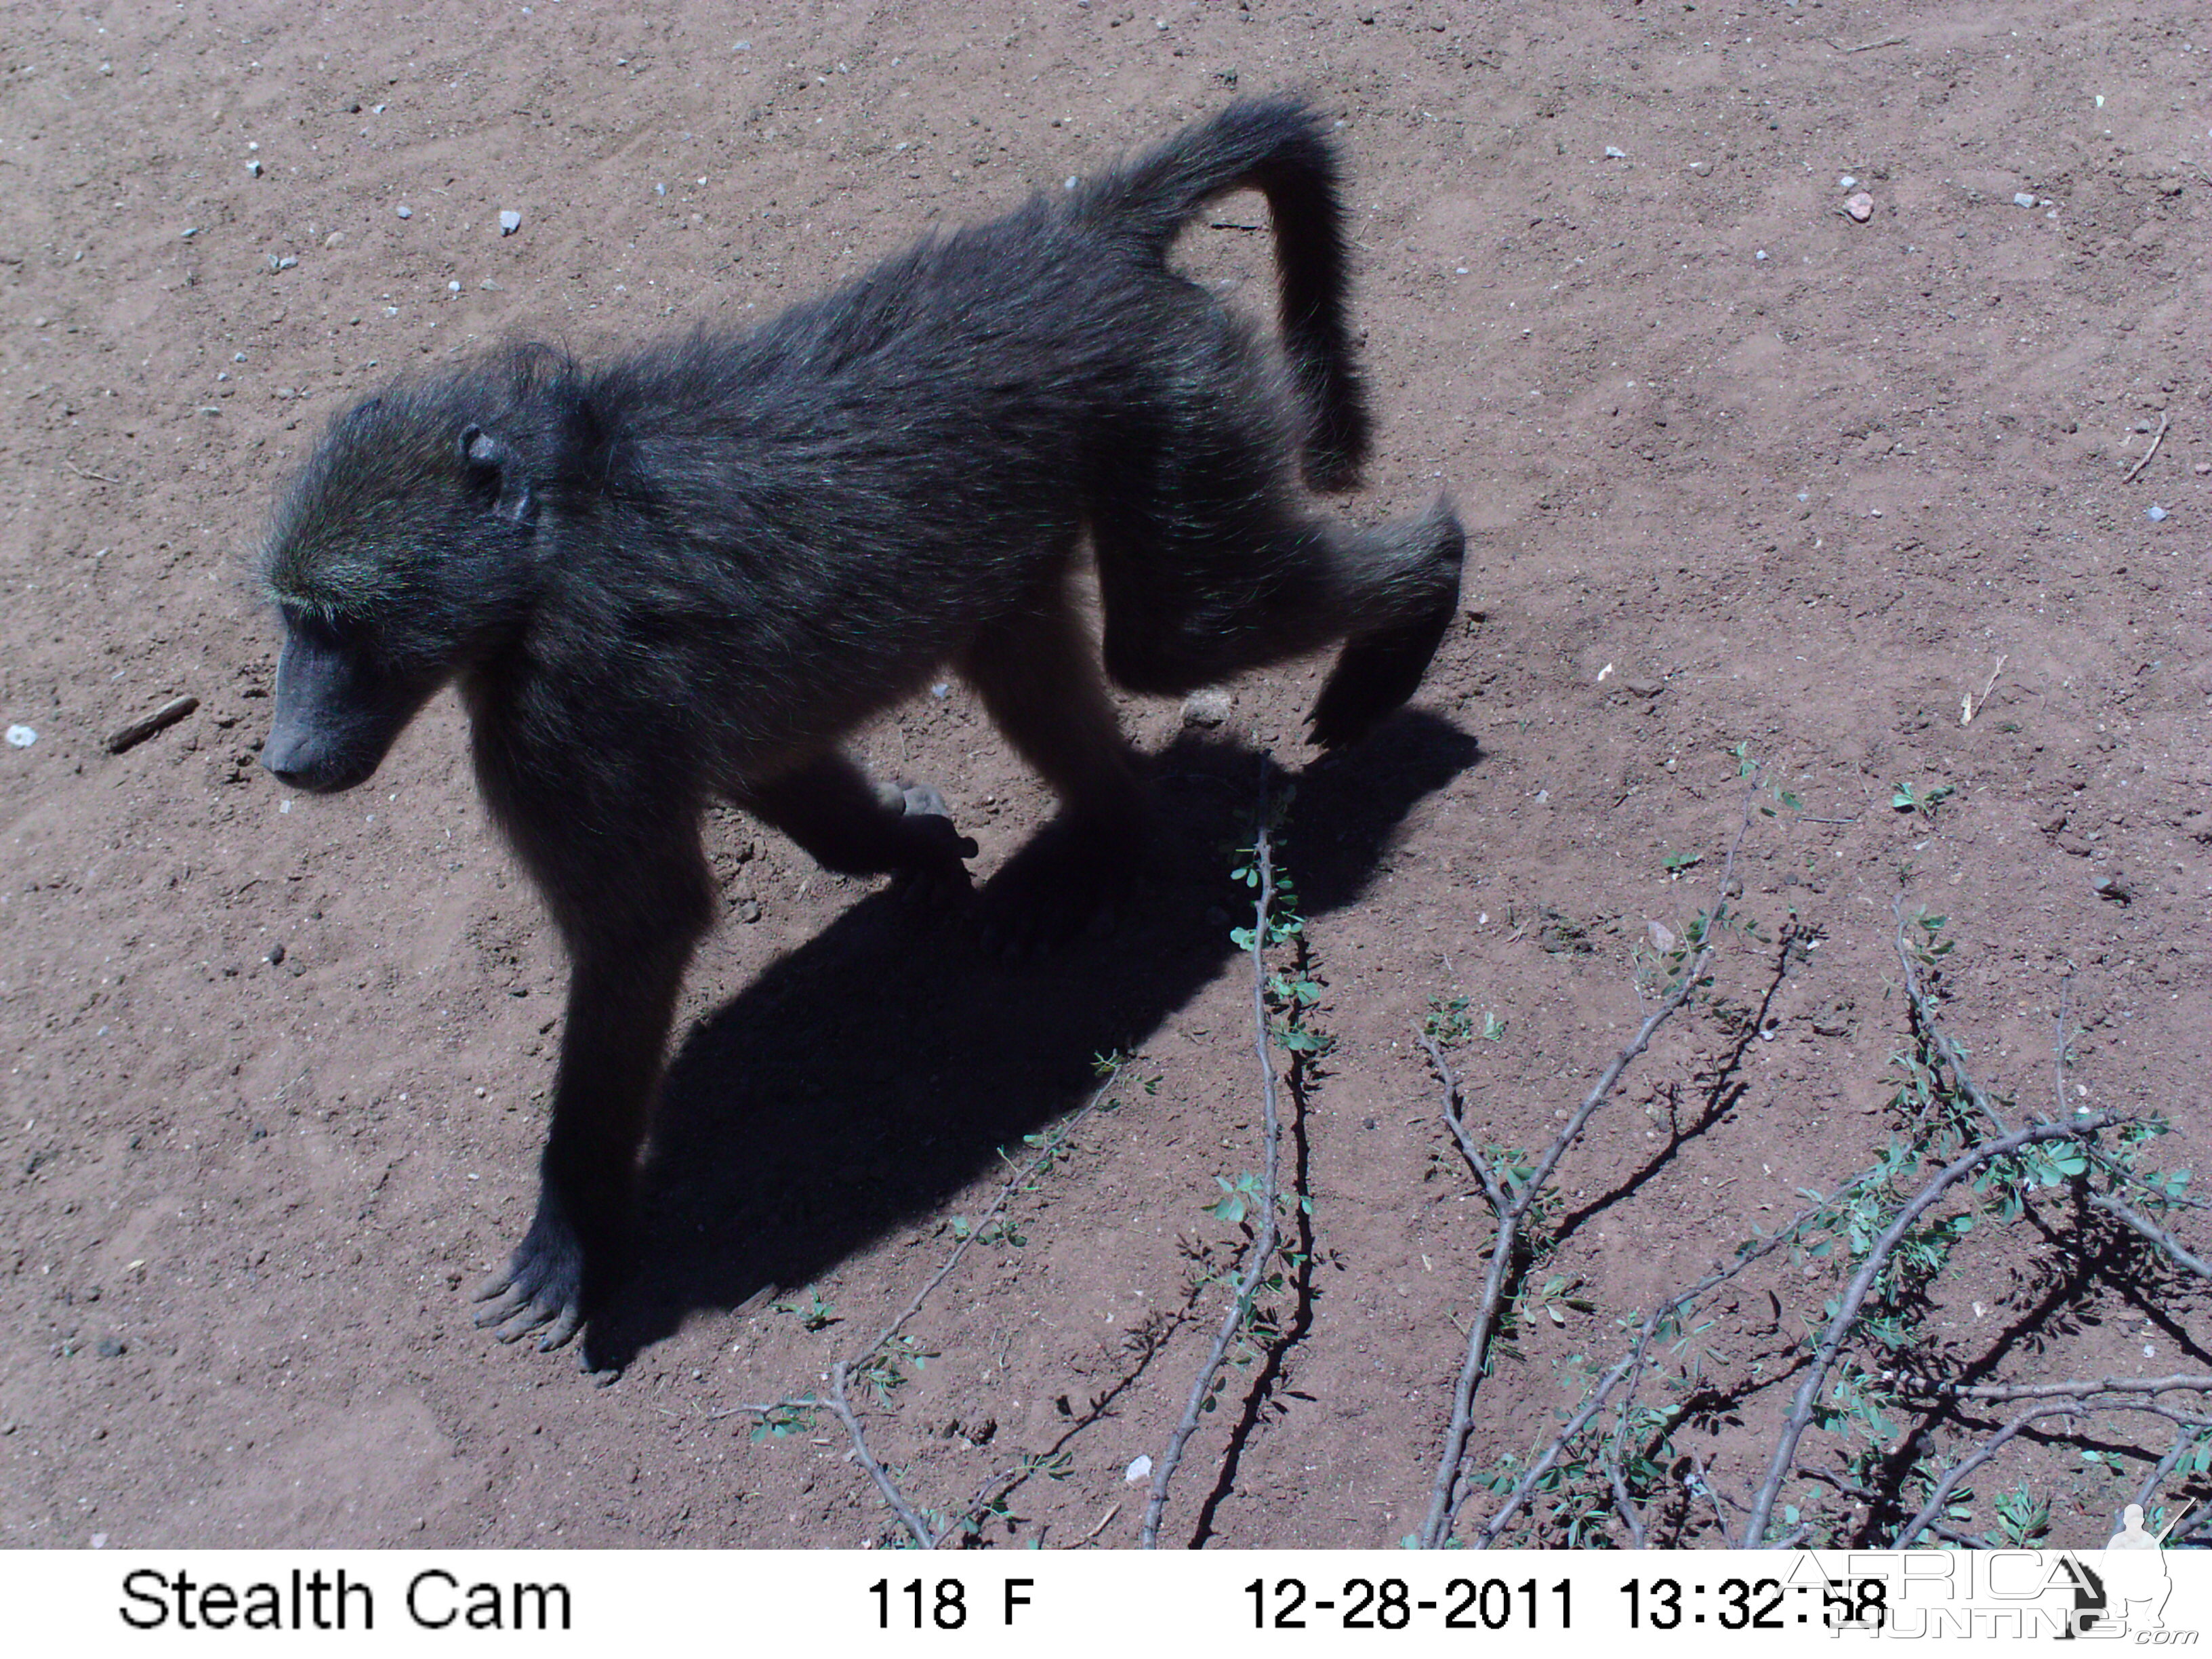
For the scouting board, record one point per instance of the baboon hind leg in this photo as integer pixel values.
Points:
(1036, 670)
(1193, 599)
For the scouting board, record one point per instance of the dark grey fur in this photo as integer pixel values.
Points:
(688, 572)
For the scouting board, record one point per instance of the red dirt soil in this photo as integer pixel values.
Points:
(1737, 468)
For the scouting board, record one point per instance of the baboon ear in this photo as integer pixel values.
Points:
(500, 470)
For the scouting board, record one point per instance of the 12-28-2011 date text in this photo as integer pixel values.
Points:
(1392, 1604)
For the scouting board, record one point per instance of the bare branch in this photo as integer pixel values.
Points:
(838, 1400)
(1262, 1250)
(2079, 1387)
(2184, 1437)
(2157, 438)
(1862, 1285)
(908, 1517)
(1675, 1309)
(1925, 1006)
(2151, 1231)
(1989, 1448)
(1448, 1490)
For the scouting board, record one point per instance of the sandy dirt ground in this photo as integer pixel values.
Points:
(1747, 478)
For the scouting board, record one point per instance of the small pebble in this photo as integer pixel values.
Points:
(253, 169)
(276, 953)
(110, 1348)
(21, 737)
(191, 231)
(453, 286)
(335, 238)
(1613, 154)
(2203, 469)
(1140, 1467)
(404, 211)
(748, 910)
(1761, 254)
(2021, 198)
(509, 221)
(2155, 514)
(1846, 182)
(1207, 708)
(1859, 206)
(940, 691)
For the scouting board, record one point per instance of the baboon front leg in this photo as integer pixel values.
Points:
(1037, 674)
(629, 934)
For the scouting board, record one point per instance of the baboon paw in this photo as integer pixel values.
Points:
(935, 876)
(540, 1288)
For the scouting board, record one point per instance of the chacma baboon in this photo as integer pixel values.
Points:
(687, 572)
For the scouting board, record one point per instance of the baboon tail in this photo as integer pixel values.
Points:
(1279, 147)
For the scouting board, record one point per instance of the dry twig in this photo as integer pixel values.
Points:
(1862, 1285)
(1262, 1250)
(161, 719)
(1448, 1490)
(2157, 438)
(1923, 1006)
(838, 1401)
(2150, 1230)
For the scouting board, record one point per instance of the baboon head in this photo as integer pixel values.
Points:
(401, 553)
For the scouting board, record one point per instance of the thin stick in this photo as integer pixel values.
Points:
(2076, 1388)
(2190, 1425)
(907, 1517)
(1953, 1476)
(2151, 1231)
(1971, 707)
(838, 1401)
(1925, 1007)
(1870, 46)
(1862, 1285)
(1262, 1250)
(2184, 1438)
(2058, 1051)
(1100, 1527)
(97, 478)
(2156, 438)
(1446, 1489)
(161, 719)
(1675, 1308)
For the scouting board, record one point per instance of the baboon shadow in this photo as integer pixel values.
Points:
(865, 1079)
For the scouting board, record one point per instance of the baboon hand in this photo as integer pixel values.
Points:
(541, 1285)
